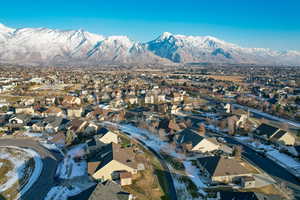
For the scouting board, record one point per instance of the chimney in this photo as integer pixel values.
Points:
(237, 152)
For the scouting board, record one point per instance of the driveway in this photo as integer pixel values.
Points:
(276, 171)
(50, 161)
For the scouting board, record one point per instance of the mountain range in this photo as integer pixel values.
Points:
(52, 46)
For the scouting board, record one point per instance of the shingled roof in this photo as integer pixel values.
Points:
(221, 166)
(187, 136)
(112, 152)
(265, 129)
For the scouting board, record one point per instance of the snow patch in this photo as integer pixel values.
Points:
(68, 168)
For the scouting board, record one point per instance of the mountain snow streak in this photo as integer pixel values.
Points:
(48, 46)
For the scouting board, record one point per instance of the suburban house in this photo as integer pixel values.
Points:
(106, 136)
(113, 161)
(20, 119)
(192, 141)
(222, 169)
(77, 126)
(74, 112)
(274, 134)
(71, 101)
(55, 111)
(106, 191)
(24, 110)
(54, 124)
(59, 139)
(39, 126)
(102, 138)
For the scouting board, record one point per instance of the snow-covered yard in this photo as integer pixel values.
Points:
(69, 168)
(20, 171)
(30, 134)
(61, 193)
(159, 146)
(73, 173)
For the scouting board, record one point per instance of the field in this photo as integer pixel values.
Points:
(227, 78)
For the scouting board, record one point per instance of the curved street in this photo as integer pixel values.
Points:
(50, 160)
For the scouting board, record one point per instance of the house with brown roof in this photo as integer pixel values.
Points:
(77, 125)
(54, 111)
(112, 162)
(223, 169)
(105, 191)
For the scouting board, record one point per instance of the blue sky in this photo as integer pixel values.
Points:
(271, 24)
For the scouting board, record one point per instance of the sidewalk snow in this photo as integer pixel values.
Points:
(29, 134)
(68, 168)
(254, 144)
(193, 173)
(51, 146)
(61, 193)
(38, 166)
(284, 160)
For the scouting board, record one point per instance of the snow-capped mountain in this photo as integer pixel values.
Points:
(187, 49)
(48, 46)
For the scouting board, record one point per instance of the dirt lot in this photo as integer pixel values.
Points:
(227, 78)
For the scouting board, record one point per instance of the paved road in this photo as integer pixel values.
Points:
(260, 114)
(278, 172)
(50, 160)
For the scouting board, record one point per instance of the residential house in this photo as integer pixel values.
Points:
(112, 162)
(105, 191)
(74, 112)
(71, 101)
(28, 102)
(125, 178)
(132, 100)
(54, 124)
(54, 111)
(275, 134)
(192, 141)
(223, 169)
(77, 126)
(106, 136)
(39, 126)
(20, 119)
(59, 139)
(49, 100)
(24, 110)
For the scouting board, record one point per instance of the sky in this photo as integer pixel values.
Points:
(273, 24)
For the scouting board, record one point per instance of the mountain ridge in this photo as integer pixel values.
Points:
(54, 46)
